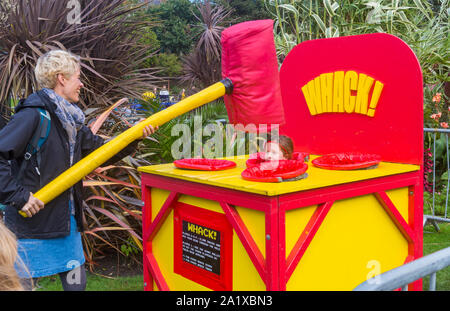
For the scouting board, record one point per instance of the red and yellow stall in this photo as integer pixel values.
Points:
(213, 230)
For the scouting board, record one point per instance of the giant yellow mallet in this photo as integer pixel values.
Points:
(248, 59)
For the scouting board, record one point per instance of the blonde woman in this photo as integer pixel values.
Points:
(49, 240)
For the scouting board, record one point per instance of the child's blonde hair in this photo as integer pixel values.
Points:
(9, 280)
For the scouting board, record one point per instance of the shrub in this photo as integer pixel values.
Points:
(106, 39)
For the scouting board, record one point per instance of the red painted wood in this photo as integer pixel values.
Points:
(408, 259)
(231, 196)
(161, 217)
(409, 231)
(215, 221)
(416, 222)
(272, 246)
(147, 245)
(306, 237)
(246, 239)
(282, 248)
(343, 191)
(396, 217)
(152, 265)
(396, 130)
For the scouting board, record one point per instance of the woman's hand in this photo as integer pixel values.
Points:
(148, 130)
(33, 206)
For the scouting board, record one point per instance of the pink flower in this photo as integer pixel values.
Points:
(436, 116)
(437, 98)
(444, 125)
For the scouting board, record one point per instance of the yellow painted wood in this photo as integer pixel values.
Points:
(295, 221)
(357, 240)
(317, 178)
(245, 275)
(400, 198)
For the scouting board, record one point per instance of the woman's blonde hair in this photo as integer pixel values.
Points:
(53, 63)
(9, 280)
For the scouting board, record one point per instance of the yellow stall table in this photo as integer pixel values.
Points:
(331, 231)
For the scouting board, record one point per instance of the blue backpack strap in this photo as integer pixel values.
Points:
(36, 142)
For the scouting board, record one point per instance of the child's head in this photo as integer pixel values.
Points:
(8, 255)
(279, 151)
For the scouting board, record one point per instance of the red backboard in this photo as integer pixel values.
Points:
(329, 86)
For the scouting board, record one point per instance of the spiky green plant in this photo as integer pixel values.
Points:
(202, 67)
(104, 33)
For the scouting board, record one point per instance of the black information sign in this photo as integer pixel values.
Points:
(201, 247)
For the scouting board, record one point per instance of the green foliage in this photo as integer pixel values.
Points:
(440, 150)
(159, 148)
(202, 67)
(149, 38)
(246, 10)
(423, 27)
(168, 64)
(432, 242)
(107, 40)
(438, 204)
(129, 247)
(175, 32)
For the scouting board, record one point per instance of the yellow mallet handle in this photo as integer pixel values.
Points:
(99, 156)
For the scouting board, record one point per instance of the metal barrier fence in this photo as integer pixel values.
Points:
(433, 218)
(401, 276)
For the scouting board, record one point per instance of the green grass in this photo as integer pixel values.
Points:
(432, 242)
(96, 283)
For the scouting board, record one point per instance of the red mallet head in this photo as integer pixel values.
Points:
(249, 60)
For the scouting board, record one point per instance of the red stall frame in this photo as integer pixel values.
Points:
(272, 268)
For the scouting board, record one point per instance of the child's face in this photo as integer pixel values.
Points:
(273, 152)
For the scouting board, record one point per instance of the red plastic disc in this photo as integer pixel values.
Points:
(204, 164)
(346, 161)
(258, 158)
(286, 169)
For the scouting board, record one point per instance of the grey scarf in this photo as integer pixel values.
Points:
(70, 116)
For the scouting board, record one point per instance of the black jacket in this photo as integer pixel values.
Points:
(54, 220)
